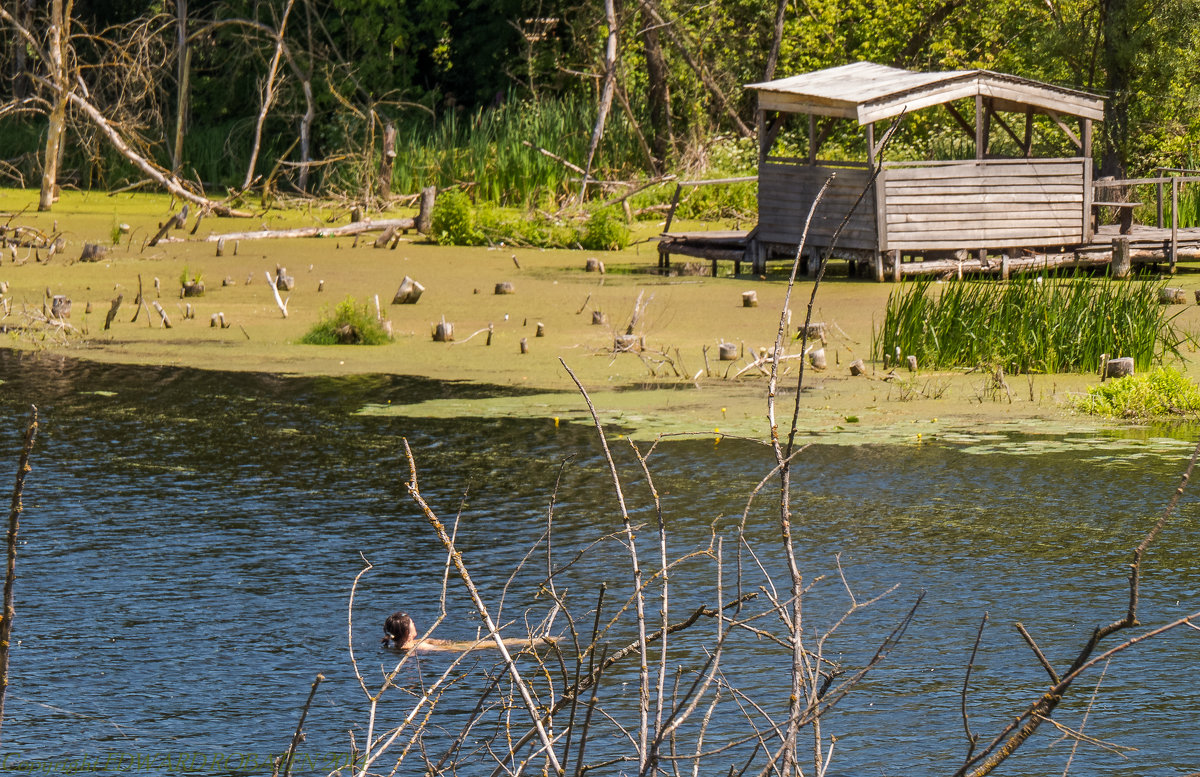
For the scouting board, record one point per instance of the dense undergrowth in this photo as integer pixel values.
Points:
(1043, 324)
(1164, 392)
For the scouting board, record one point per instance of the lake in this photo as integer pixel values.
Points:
(190, 539)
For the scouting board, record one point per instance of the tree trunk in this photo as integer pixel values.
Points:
(268, 95)
(386, 161)
(1117, 56)
(658, 93)
(183, 56)
(58, 34)
(606, 91)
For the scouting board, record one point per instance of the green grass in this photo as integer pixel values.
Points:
(347, 324)
(1057, 323)
(1161, 393)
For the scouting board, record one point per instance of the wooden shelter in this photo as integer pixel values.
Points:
(931, 207)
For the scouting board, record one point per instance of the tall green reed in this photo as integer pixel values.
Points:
(1052, 323)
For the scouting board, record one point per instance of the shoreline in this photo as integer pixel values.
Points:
(675, 384)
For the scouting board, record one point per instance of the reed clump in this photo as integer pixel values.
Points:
(349, 323)
(1043, 324)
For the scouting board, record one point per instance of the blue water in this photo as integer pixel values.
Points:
(190, 539)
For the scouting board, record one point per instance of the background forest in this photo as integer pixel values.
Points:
(514, 99)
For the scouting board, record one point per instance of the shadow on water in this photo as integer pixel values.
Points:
(190, 539)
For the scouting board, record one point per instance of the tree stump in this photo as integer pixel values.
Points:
(228, 281)
(60, 307)
(626, 344)
(443, 332)
(1169, 295)
(524, 345)
(598, 318)
(505, 287)
(283, 281)
(1121, 263)
(727, 352)
(409, 292)
(220, 246)
(1119, 368)
(541, 330)
(912, 363)
(749, 299)
(858, 368)
(425, 214)
(814, 331)
(193, 289)
(93, 252)
(817, 359)
(593, 265)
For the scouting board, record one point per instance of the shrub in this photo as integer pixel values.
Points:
(453, 222)
(1164, 392)
(348, 324)
(604, 232)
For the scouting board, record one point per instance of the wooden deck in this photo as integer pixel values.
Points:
(1148, 245)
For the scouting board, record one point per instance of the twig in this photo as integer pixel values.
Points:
(10, 575)
(299, 735)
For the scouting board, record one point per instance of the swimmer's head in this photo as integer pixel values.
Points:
(399, 630)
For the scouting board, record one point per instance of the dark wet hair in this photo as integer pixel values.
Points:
(398, 629)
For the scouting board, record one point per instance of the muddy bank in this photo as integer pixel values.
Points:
(667, 383)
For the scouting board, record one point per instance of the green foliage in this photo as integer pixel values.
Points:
(1028, 324)
(185, 277)
(605, 232)
(453, 222)
(1163, 392)
(348, 324)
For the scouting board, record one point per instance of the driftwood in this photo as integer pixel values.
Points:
(388, 236)
(166, 322)
(274, 284)
(346, 230)
(175, 222)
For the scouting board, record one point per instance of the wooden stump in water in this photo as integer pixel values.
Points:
(727, 352)
(93, 252)
(1121, 263)
(1170, 295)
(858, 368)
(1119, 368)
(220, 246)
(443, 332)
(505, 287)
(320, 286)
(112, 311)
(386, 237)
(541, 330)
(193, 289)
(228, 281)
(283, 281)
(409, 292)
(813, 331)
(158, 308)
(626, 344)
(749, 299)
(60, 307)
(524, 345)
(911, 361)
(598, 318)
(425, 214)
(593, 265)
(817, 359)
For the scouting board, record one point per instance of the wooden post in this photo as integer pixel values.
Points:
(812, 140)
(879, 267)
(524, 345)
(1004, 266)
(675, 202)
(980, 140)
(1027, 144)
(896, 257)
(112, 311)
(1174, 222)
(1158, 188)
(1120, 257)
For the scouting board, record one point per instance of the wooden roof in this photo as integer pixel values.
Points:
(870, 92)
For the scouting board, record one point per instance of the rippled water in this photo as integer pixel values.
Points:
(190, 539)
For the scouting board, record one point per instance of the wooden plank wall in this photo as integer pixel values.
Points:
(786, 192)
(984, 204)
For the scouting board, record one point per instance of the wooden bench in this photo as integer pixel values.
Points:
(1124, 214)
